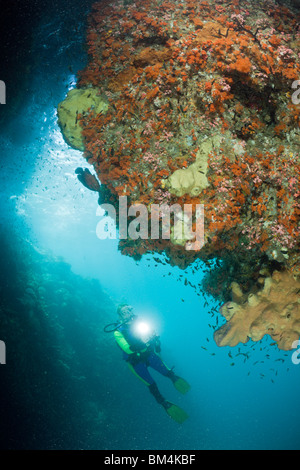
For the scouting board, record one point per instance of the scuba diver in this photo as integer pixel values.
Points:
(141, 348)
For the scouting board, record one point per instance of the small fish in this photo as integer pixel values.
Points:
(87, 179)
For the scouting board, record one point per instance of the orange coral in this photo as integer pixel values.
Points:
(242, 65)
(168, 84)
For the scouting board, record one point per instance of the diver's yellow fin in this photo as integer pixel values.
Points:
(176, 413)
(181, 385)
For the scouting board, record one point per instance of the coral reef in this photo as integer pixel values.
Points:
(201, 110)
(274, 310)
(200, 73)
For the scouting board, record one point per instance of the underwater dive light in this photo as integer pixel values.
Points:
(143, 330)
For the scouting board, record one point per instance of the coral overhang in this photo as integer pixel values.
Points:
(183, 79)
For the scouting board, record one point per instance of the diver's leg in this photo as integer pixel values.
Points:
(155, 361)
(179, 383)
(141, 371)
(153, 389)
(174, 411)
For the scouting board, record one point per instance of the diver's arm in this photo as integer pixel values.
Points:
(121, 341)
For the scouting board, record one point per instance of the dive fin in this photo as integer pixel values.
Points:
(181, 385)
(175, 412)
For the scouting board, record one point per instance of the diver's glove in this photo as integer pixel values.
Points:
(157, 344)
(154, 344)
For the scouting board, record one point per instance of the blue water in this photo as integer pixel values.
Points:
(236, 402)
